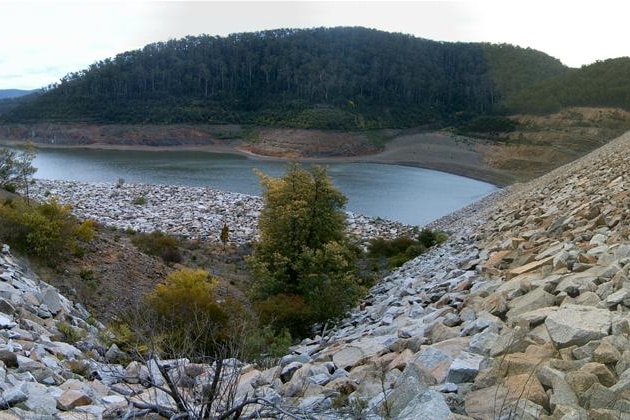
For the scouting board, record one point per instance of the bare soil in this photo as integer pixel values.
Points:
(113, 276)
(541, 143)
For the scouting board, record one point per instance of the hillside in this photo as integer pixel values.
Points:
(604, 83)
(14, 93)
(327, 78)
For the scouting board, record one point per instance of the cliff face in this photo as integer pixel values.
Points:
(523, 313)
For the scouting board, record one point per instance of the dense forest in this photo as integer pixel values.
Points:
(603, 83)
(344, 78)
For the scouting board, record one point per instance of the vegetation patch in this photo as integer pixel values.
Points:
(304, 269)
(48, 230)
(160, 245)
(395, 252)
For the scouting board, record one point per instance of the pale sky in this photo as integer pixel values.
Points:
(41, 41)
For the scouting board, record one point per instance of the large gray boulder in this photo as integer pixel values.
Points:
(577, 325)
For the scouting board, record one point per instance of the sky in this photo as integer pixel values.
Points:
(41, 41)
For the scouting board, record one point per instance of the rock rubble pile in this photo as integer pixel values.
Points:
(192, 212)
(523, 313)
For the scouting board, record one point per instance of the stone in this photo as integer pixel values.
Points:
(534, 317)
(51, 299)
(576, 325)
(604, 375)
(620, 296)
(534, 265)
(483, 342)
(348, 357)
(440, 332)
(498, 401)
(562, 394)
(429, 404)
(12, 396)
(464, 368)
(290, 358)
(597, 396)
(533, 300)
(114, 354)
(436, 362)
(9, 359)
(606, 353)
(287, 371)
(580, 381)
(71, 399)
(42, 400)
(6, 322)
(410, 385)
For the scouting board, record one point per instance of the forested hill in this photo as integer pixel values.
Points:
(13, 93)
(348, 78)
(603, 83)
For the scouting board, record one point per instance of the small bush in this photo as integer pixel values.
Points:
(188, 316)
(139, 201)
(265, 346)
(402, 249)
(46, 230)
(69, 333)
(160, 245)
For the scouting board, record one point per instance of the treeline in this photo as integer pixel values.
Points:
(346, 78)
(603, 83)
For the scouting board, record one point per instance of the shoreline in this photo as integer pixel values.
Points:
(446, 158)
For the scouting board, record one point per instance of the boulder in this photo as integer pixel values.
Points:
(430, 404)
(577, 325)
(347, 357)
(71, 399)
(413, 382)
(464, 368)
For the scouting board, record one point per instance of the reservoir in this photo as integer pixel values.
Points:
(410, 195)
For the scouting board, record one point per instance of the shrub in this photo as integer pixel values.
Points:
(139, 201)
(187, 313)
(46, 230)
(285, 311)
(397, 251)
(158, 244)
(69, 333)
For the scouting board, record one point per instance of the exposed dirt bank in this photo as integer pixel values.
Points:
(538, 146)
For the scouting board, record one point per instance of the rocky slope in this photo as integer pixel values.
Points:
(523, 313)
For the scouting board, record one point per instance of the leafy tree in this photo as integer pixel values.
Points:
(303, 260)
(16, 167)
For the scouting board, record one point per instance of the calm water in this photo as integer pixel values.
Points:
(410, 195)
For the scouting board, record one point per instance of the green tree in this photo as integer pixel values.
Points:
(16, 167)
(303, 254)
